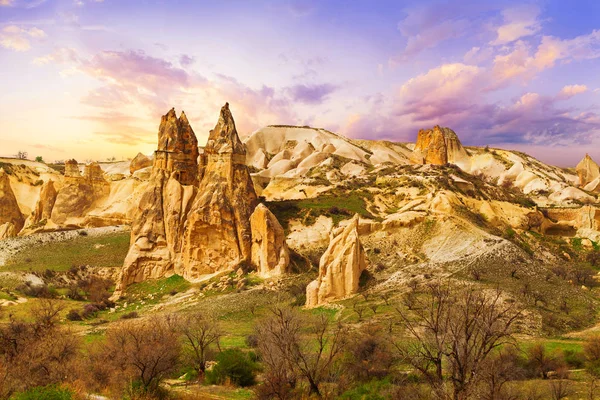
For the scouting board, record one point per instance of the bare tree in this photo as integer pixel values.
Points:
(200, 334)
(458, 327)
(145, 351)
(36, 352)
(21, 155)
(309, 349)
(540, 360)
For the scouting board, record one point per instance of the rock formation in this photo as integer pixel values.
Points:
(195, 219)
(79, 192)
(72, 169)
(177, 148)
(340, 268)
(139, 162)
(270, 253)
(587, 170)
(218, 234)
(43, 207)
(11, 218)
(439, 146)
(158, 225)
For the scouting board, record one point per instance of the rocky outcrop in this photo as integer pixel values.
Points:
(72, 168)
(92, 172)
(587, 170)
(439, 146)
(218, 234)
(177, 151)
(11, 218)
(270, 253)
(194, 219)
(43, 207)
(79, 192)
(139, 162)
(340, 268)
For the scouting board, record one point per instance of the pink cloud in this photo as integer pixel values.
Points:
(518, 22)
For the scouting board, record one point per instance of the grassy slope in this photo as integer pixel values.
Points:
(103, 251)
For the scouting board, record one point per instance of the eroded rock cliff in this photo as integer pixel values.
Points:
(218, 234)
(139, 162)
(270, 253)
(588, 172)
(340, 267)
(195, 218)
(11, 218)
(440, 146)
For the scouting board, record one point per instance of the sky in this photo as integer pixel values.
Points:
(89, 79)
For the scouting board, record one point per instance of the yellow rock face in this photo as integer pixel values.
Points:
(339, 268)
(587, 170)
(270, 252)
(139, 162)
(440, 146)
(9, 208)
(205, 227)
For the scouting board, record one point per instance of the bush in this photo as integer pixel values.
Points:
(51, 392)
(130, 315)
(233, 365)
(73, 315)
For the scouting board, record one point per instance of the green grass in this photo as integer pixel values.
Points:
(337, 207)
(103, 251)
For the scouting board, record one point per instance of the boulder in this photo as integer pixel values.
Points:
(587, 170)
(270, 253)
(340, 267)
(440, 146)
(140, 161)
(9, 208)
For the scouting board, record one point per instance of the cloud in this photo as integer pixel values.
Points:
(456, 95)
(520, 62)
(16, 38)
(186, 60)
(6, 3)
(311, 94)
(426, 26)
(571, 90)
(136, 89)
(60, 55)
(519, 22)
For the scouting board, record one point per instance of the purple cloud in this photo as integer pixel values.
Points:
(311, 94)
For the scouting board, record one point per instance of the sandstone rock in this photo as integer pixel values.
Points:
(340, 268)
(587, 170)
(43, 207)
(72, 201)
(140, 161)
(72, 168)
(440, 146)
(218, 234)
(143, 174)
(270, 253)
(7, 230)
(92, 172)
(177, 151)
(79, 192)
(9, 208)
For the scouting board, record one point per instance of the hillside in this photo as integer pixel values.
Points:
(392, 219)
